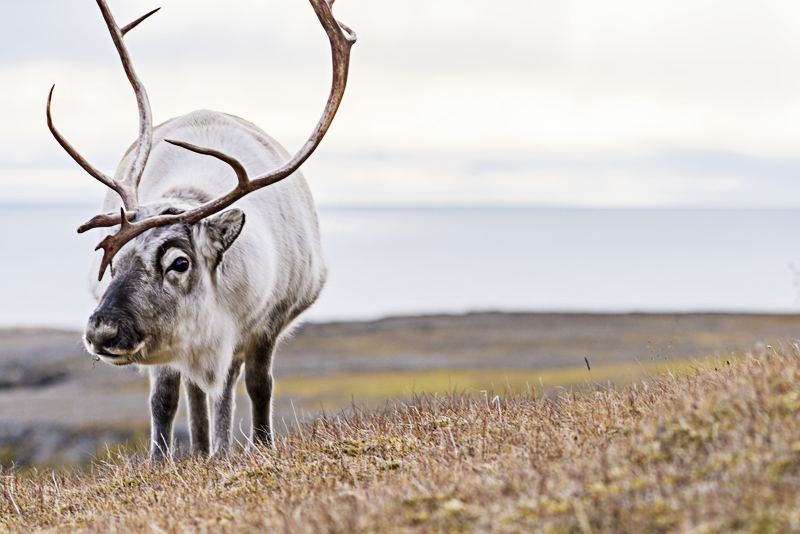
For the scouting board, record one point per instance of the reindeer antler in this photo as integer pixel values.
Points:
(127, 187)
(341, 38)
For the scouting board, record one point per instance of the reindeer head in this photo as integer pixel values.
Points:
(164, 251)
(159, 280)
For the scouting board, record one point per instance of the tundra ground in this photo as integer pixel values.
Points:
(58, 408)
(714, 448)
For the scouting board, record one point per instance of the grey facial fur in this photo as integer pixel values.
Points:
(139, 306)
(113, 330)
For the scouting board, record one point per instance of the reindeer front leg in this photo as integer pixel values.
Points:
(224, 409)
(165, 390)
(198, 418)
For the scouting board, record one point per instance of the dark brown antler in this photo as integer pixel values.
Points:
(127, 187)
(342, 39)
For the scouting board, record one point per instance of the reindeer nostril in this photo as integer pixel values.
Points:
(99, 333)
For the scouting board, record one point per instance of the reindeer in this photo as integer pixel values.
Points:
(195, 293)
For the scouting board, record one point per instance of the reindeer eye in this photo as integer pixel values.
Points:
(180, 265)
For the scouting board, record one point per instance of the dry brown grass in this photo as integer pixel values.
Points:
(336, 391)
(716, 449)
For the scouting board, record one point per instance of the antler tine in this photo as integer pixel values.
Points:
(88, 167)
(341, 38)
(112, 244)
(104, 221)
(241, 173)
(130, 182)
(138, 21)
(127, 188)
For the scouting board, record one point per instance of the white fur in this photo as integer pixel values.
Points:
(277, 258)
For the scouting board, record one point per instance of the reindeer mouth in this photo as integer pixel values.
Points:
(116, 359)
(123, 358)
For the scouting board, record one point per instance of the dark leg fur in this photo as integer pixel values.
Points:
(198, 418)
(258, 379)
(165, 390)
(223, 411)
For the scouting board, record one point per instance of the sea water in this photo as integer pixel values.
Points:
(390, 261)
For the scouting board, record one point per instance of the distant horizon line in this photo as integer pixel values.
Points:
(454, 314)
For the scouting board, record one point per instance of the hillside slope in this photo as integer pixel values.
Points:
(716, 449)
(58, 407)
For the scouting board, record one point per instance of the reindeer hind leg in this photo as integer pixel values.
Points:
(258, 379)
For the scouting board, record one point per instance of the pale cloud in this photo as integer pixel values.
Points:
(608, 91)
(691, 179)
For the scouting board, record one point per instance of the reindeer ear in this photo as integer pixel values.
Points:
(225, 228)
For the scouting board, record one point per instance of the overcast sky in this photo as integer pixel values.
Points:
(621, 103)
